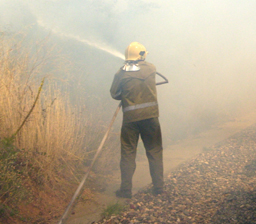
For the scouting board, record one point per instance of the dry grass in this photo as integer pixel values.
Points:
(49, 149)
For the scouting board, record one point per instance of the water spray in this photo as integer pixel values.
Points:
(84, 41)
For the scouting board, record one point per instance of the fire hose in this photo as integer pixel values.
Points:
(97, 154)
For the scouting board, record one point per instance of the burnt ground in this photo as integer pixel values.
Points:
(217, 186)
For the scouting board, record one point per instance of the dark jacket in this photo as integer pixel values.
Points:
(137, 91)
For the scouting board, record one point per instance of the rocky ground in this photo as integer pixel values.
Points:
(218, 186)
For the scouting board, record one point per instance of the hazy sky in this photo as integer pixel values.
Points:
(206, 48)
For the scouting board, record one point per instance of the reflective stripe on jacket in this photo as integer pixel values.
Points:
(137, 91)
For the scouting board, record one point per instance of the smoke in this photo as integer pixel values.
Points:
(205, 48)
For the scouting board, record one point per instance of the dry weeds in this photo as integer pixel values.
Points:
(42, 165)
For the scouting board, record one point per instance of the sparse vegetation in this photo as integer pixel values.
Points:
(113, 209)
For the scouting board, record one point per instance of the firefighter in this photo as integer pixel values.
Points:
(134, 84)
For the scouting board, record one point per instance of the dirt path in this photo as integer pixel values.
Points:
(174, 155)
(218, 186)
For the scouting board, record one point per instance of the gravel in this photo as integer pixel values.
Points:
(218, 186)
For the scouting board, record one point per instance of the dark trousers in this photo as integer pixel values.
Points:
(150, 133)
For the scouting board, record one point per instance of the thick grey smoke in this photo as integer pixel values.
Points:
(205, 48)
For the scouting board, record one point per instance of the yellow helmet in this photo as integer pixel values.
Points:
(135, 52)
